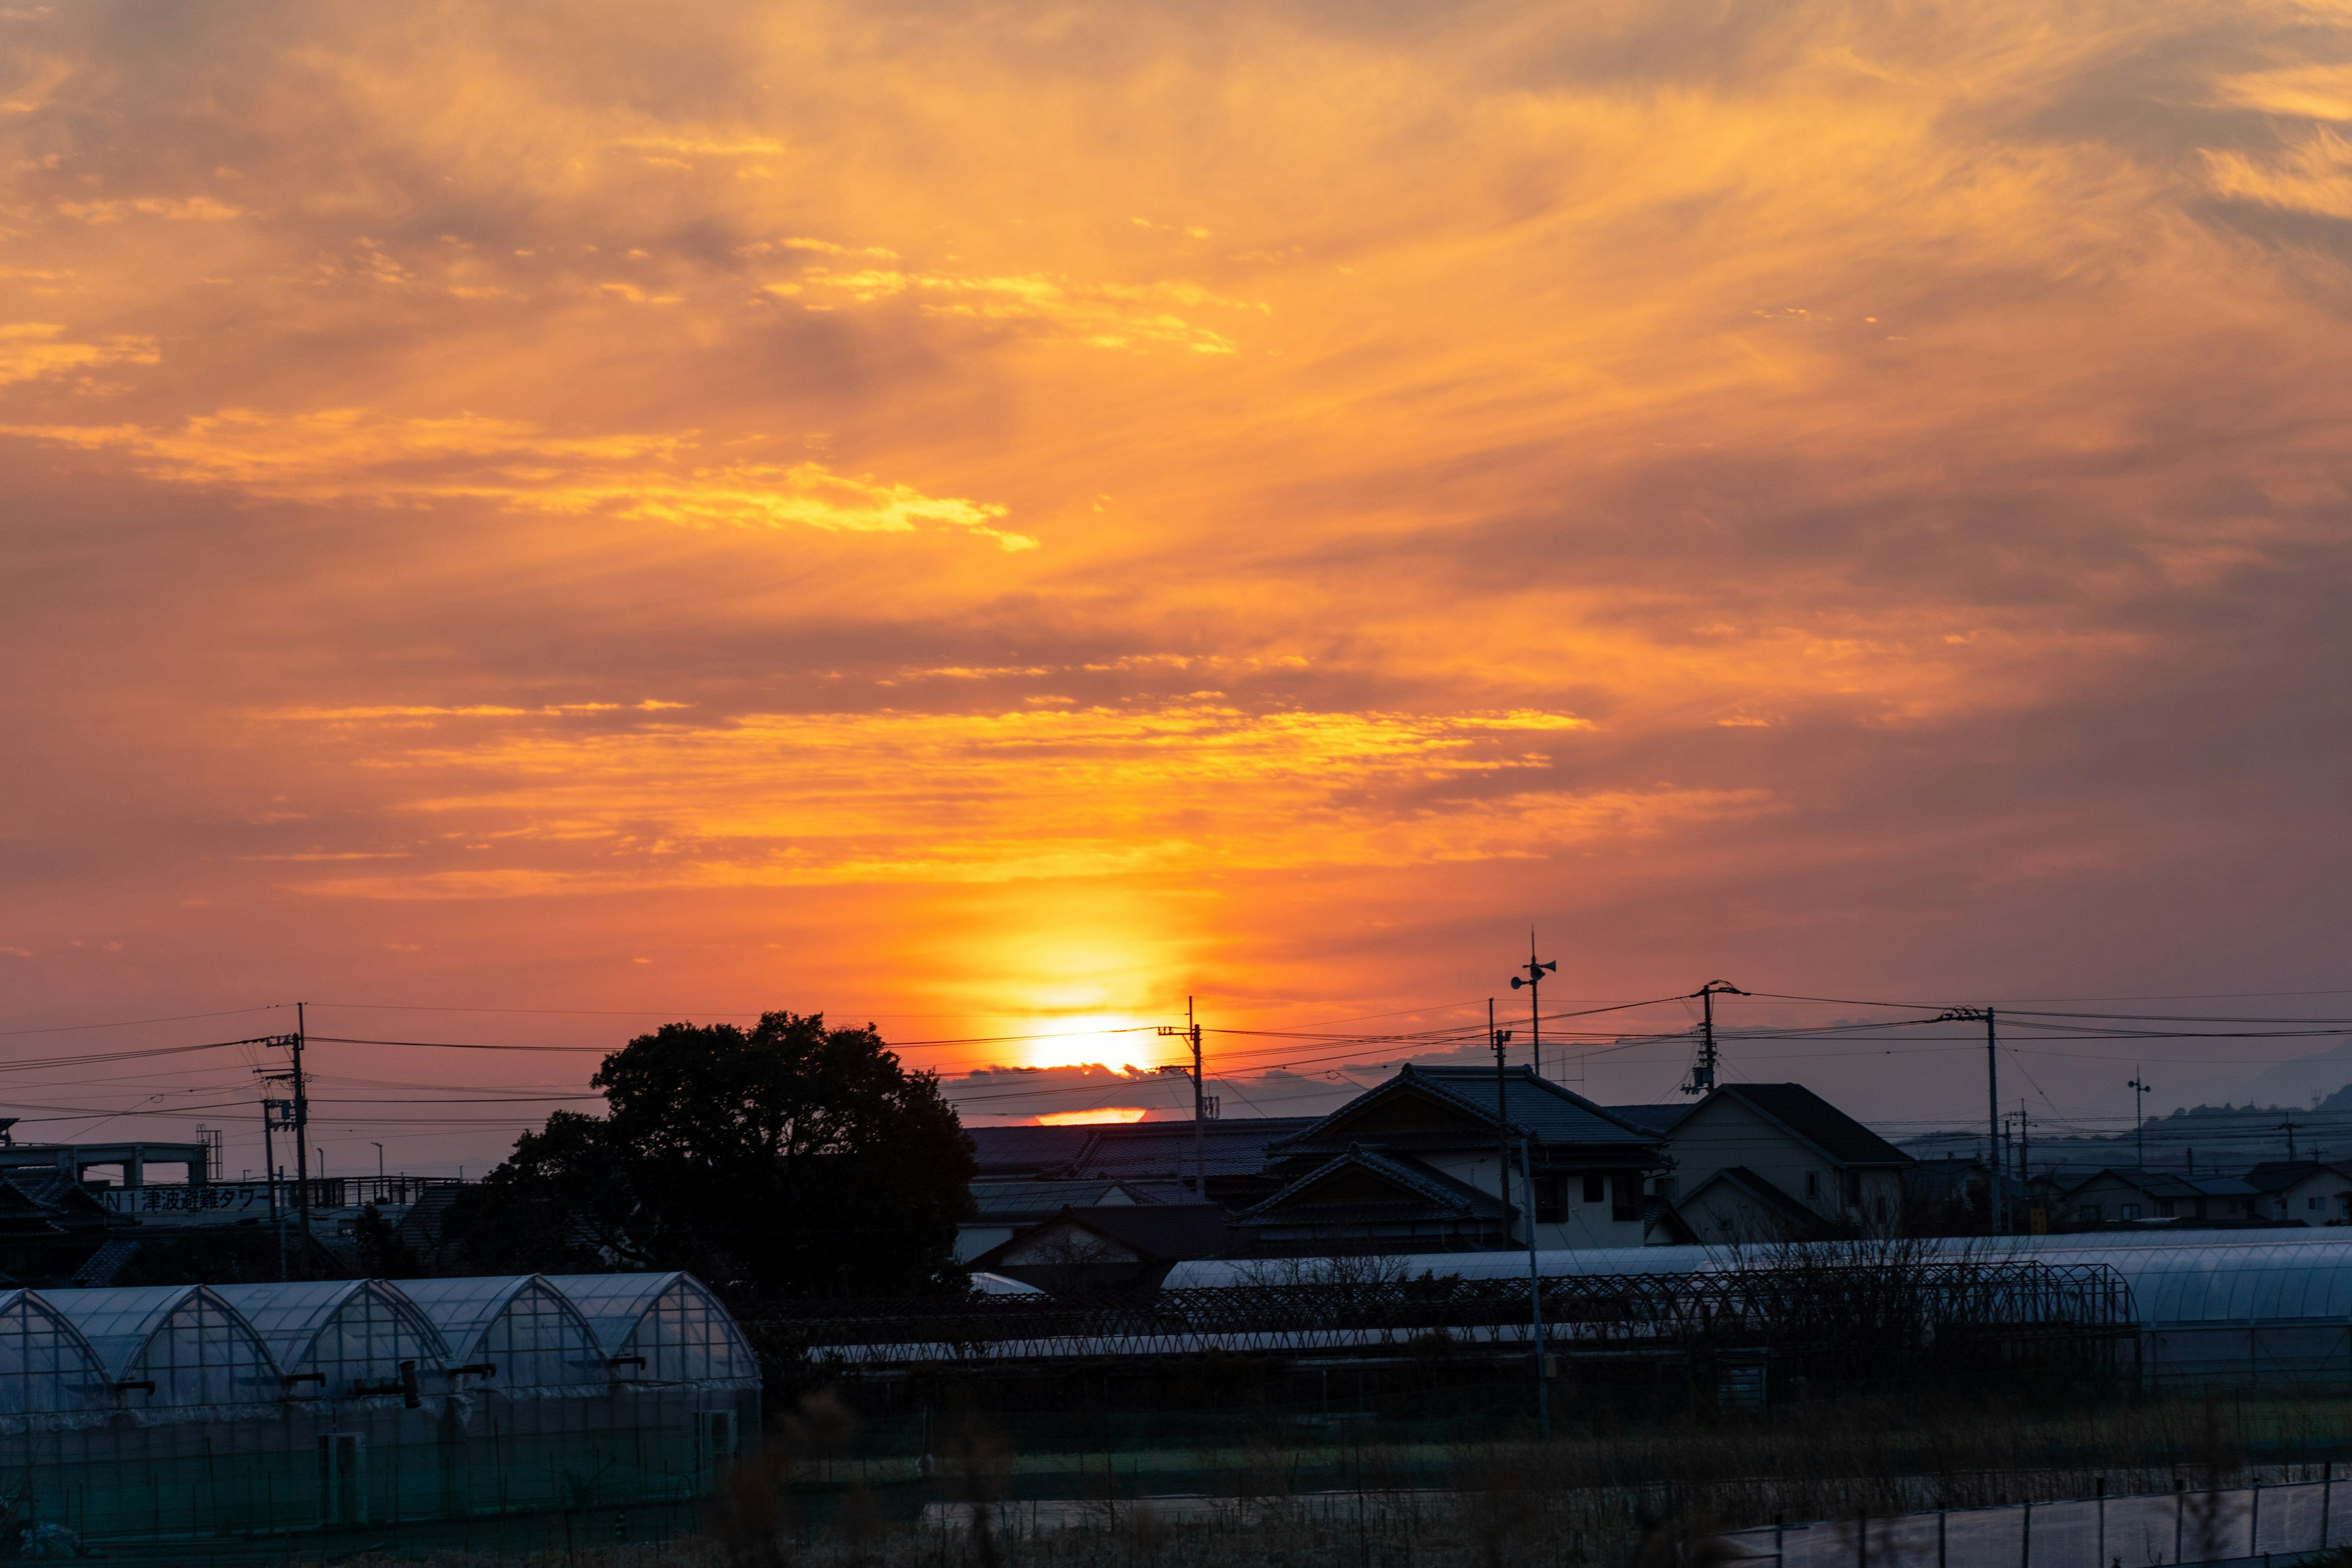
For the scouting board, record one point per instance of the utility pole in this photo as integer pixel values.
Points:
(1190, 1033)
(270, 1113)
(2288, 1125)
(1499, 1038)
(1200, 1109)
(1533, 981)
(1996, 1210)
(1535, 1296)
(2139, 1088)
(1702, 1077)
(301, 1122)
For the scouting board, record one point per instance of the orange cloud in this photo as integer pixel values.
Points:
(1026, 521)
(353, 456)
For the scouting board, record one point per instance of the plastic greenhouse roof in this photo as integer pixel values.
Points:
(290, 1317)
(117, 1322)
(614, 1304)
(462, 1310)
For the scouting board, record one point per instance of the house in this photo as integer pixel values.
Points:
(1413, 1166)
(1127, 1153)
(2133, 1196)
(999, 1208)
(1108, 1249)
(2305, 1192)
(1774, 1162)
(1946, 1196)
(50, 1227)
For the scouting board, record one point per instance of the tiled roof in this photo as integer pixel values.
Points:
(1657, 1118)
(1532, 1106)
(1816, 1120)
(1035, 1199)
(2167, 1184)
(1128, 1150)
(2278, 1175)
(1416, 1183)
(1162, 1233)
(1024, 1151)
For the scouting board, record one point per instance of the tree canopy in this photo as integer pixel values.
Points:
(786, 1159)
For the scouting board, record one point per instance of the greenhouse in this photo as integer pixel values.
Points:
(2212, 1307)
(214, 1419)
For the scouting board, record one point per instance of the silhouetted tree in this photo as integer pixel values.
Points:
(788, 1158)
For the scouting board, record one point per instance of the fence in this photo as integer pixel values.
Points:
(1873, 1315)
(2217, 1525)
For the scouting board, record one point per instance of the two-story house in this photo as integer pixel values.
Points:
(1774, 1162)
(1415, 1165)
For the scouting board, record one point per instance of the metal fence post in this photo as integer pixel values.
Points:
(1940, 1560)
(2025, 1548)
(2102, 1562)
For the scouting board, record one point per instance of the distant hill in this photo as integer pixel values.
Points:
(2208, 1139)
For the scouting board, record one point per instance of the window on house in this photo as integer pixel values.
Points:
(2088, 1214)
(1813, 1184)
(1551, 1199)
(2315, 1204)
(1625, 1198)
(1595, 1188)
(2164, 1208)
(1878, 1208)
(1851, 1180)
(2131, 1211)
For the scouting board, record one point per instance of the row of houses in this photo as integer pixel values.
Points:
(1418, 1165)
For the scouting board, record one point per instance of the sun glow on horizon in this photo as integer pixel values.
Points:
(1101, 1116)
(1119, 1043)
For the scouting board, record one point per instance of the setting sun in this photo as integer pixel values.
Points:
(1107, 1116)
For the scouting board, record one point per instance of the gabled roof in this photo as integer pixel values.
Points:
(1799, 1219)
(1533, 1107)
(2278, 1175)
(2165, 1183)
(1012, 1201)
(1816, 1120)
(1157, 1233)
(1414, 1184)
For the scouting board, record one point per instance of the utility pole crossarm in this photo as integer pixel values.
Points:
(1702, 1077)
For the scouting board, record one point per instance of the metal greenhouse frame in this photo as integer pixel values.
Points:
(203, 1420)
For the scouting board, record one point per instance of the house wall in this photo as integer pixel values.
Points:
(1722, 1132)
(2319, 1199)
(2110, 1195)
(2103, 1198)
(1586, 1224)
(1723, 1214)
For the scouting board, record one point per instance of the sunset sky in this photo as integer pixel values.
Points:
(995, 520)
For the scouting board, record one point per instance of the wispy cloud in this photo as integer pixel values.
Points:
(1849, 492)
(353, 456)
(1100, 315)
(30, 349)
